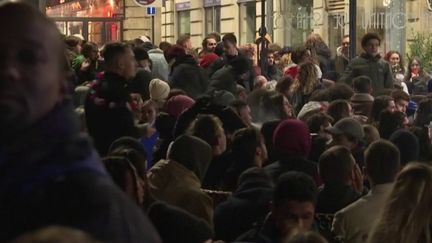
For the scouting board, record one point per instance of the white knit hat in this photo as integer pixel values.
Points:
(159, 89)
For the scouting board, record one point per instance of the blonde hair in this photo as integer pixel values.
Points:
(307, 78)
(407, 213)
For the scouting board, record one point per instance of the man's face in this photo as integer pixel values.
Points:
(401, 105)
(391, 106)
(372, 47)
(31, 76)
(293, 215)
(128, 64)
(230, 48)
(211, 45)
(345, 44)
(270, 59)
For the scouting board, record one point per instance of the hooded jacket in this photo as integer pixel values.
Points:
(188, 76)
(177, 181)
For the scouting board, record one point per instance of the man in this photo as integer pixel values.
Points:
(292, 210)
(50, 174)
(401, 100)
(354, 222)
(107, 107)
(349, 133)
(343, 181)
(273, 71)
(362, 100)
(243, 111)
(370, 64)
(342, 55)
(185, 41)
(209, 45)
(229, 42)
(227, 78)
(177, 180)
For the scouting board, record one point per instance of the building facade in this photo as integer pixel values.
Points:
(288, 22)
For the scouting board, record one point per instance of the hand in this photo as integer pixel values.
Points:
(85, 65)
(357, 179)
(360, 118)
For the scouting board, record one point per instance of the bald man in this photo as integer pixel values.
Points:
(49, 173)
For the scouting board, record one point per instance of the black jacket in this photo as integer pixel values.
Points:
(224, 79)
(334, 197)
(51, 175)
(248, 205)
(107, 111)
(293, 163)
(188, 76)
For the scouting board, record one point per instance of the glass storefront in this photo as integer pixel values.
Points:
(98, 21)
(212, 19)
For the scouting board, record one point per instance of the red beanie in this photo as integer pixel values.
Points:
(292, 137)
(177, 104)
(208, 59)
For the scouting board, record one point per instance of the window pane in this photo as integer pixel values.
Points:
(247, 22)
(183, 22)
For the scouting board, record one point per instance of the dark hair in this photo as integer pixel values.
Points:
(389, 122)
(88, 48)
(294, 186)
(140, 53)
(284, 84)
(137, 158)
(336, 164)
(204, 42)
(243, 147)
(114, 51)
(230, 37)
(401, 61)
(317, 120)
(183, 39)
(409, 70)
(164, 45)
(72, 41)
(271, 107)
(215, 35)
(338, 109)
(362, 84)
(298, 54)
(370, 36)
(340, 91)
(267, 130)
(400, 95)
(206, 128)
(238, 105)
(379, 104)
(118, 168)
(382, 160)
(425, 146)
(424, 112)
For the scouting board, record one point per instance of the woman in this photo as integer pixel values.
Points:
(416, 78)
(407, 215)
(304, 85)
(274, 106)
(394, 58)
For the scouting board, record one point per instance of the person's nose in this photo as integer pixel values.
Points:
(9, 72)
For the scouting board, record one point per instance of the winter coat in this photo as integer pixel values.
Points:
(374, 67)
(51, 175)
(189, 77)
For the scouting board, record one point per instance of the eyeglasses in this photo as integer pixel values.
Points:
(345, 43)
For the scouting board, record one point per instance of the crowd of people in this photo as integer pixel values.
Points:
(133, 142)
